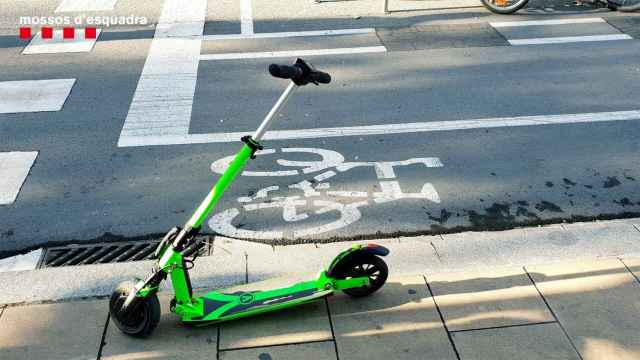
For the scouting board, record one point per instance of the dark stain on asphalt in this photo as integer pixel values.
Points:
(522, 203)
(548, 206)
(265, 356)
(8, 233)
(588, 186)
(624, 202)
(495, 216)
(611, 181)
(568, 182)
(522, 211)
(548, 184)
(444, 216)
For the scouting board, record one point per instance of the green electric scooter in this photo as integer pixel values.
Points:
(134, 306)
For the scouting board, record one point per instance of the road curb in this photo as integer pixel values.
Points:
(235, 262)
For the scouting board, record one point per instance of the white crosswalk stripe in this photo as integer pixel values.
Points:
(27, 261)
(294, 53)
(34, 95)
(570, 39)
(150, 139)
(527, 32)
(504, 24)
(287, 34)
(163, 99)
(14, 168)
(58, 44)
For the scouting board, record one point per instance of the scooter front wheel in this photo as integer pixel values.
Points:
(363, 265)
(141, 318)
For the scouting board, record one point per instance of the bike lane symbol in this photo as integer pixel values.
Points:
(317, 193)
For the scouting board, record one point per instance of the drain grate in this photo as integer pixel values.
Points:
(113, 252)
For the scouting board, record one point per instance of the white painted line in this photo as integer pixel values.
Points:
(14, 168)
(290, 34)
(246, 17)
(27, 261)
(58, 44)
(144, 138)
(86, 5)
(34, 95)
(163, 99)
(546, 22)
(293, 53)
(570, 39)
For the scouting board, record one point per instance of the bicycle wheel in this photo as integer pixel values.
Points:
(504, 6)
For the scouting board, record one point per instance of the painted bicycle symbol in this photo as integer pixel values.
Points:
(316, 193)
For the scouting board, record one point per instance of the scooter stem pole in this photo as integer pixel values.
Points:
(236, 165)
(257, 136)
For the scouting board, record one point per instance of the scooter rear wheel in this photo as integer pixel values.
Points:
(363, 265)
(143, 316)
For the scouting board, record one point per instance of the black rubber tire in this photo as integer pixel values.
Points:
(363, 265)
(143, 317)
(519, 4)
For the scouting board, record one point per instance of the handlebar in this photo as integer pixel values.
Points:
(301, 73)
(285, 71)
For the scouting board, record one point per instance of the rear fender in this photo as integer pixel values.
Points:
(356, 250)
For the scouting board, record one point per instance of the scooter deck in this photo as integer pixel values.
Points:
(219, 307)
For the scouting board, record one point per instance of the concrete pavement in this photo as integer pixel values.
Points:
(587, 309)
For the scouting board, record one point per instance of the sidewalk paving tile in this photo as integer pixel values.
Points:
(633, 263)
(70, 330)
(531, 342)
(609, 237)
(398, 322)
(500, 297)
(170, 340)
(310, 351)
(527, 246)
(597, 302)
(304, 323)
(408, 256)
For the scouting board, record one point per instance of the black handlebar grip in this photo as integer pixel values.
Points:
(285, 71)
(320, 77)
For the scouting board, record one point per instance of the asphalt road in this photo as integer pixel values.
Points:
(83, 186)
